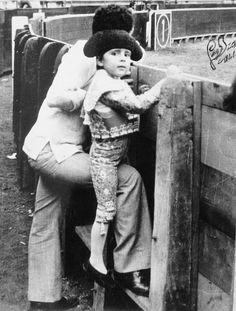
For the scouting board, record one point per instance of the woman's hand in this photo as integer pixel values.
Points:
(62, 102)
(143, 88)
(174, 72)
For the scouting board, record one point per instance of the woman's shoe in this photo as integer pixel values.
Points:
(104, 280)
(63, 304)
(136, 281)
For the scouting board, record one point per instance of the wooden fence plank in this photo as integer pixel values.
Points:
(211, 297)
(234, 278)
(218, 196)
(197, 117)
(172, 232)
(98, 298)
(219, 140)
(148, 125)
(216, 257)
(65, 28)
(213, 94)
(84, 232)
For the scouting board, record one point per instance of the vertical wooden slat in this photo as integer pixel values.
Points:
(172, 234)
(197, 117)
(84, 232)
(134, 76)
(234, 270)
(161, 217)
(98, 297)
(234, 287)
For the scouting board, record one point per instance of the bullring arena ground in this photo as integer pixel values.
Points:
(16, 205)
(192, 58)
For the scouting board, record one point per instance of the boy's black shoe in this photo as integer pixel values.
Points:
(63, 304)
(104, 280)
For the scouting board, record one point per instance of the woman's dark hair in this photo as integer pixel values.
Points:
(132, 4)
(229, 103)
(112, 17)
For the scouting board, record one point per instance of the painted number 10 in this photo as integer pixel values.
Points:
(163, 29)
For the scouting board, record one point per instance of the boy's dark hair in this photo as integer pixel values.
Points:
(112, 17)
(230, 101)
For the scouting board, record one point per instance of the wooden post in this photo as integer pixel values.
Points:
(84, 232)
(171, 273)
(98, 297)
(197, 118)
(234, 271)
(234, 280)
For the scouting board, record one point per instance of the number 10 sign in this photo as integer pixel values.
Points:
(161, 25)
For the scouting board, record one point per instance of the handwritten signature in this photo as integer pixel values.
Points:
(219, 51)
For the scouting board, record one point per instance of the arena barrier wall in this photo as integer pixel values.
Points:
(200, 22)
(69, 28)
(5, 31)
(185, 152)
(164, 26)
(167, 26)
(217, 218)
(172, 5)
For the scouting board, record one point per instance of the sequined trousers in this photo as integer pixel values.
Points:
(106, 155)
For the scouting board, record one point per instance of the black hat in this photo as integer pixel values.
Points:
(112, 16)
(103, 41)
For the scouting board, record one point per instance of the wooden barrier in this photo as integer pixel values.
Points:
(177, 25)
(171, 5)
(6, 30)
(167, 133)
(187, 23)
(34, 70)
(69, 28)
(174, 280)
(2, 48)
(218, 191)
(174, 25)
(216, 133)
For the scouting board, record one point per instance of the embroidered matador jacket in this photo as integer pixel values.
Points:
(111, 109)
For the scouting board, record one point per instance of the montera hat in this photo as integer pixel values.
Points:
(112, 16)
(103, 41)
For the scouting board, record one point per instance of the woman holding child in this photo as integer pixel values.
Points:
(54, 147)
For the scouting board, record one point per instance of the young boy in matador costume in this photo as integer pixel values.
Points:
(111, 109)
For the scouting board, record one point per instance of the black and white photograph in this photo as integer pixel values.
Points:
(117, 155)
